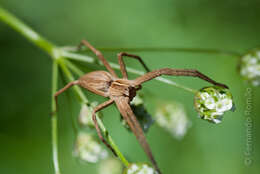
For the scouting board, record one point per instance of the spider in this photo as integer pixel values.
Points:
(121, 91)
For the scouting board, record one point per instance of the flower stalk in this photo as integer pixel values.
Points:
(54, 120)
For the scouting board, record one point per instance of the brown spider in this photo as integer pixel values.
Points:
(121, 91)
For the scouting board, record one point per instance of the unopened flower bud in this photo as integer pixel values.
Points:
(212, 102)
(88, 149)
(139, 168)
(250, 67)
(172, 117)
(85, 115)
(110, 166)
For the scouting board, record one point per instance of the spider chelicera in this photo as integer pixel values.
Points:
(121, 91)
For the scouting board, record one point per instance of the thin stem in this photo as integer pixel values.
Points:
(54, 119)
(112, 143)
(79, 57)
(28, 32)
(74, 68)
(161, 49)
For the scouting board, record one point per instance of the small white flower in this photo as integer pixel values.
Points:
(256, 83)
(172, 117)
(227, 104)
(139, 168)
(222, 96)
(210, 103)
(252, 61)
(216, 121)
(212, 107)
(250, 67)
(88, 149)
(204, 95)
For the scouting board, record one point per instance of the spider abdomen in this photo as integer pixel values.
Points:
(97, 82)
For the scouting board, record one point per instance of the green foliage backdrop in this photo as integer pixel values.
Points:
(26, 80)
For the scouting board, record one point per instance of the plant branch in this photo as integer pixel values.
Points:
(160, 49)
(54, 119)
(80, 93)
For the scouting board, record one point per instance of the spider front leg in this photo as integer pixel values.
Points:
(96, 109)
(99, 55)
(175, 72)
(122, 64)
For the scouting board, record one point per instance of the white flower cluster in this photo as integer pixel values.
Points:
(212, 102)
(250, 67)
(111, 166)
(88, 149)
(85, 115)
(140, 168)
(173, 118)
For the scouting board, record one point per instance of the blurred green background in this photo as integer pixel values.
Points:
(25, 132)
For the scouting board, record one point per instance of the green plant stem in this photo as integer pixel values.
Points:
(112, 143)
(171, 49)
(83, 99)
(54, 119)
(161, 49)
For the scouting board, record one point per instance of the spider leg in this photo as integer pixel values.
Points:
(175, 72)
(128, 115)
(122, 64)
(96, 109)
(69, 85)
(99, 55)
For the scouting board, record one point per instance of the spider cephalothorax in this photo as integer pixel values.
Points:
(122, 90)
(122, 87)
(104, 84)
